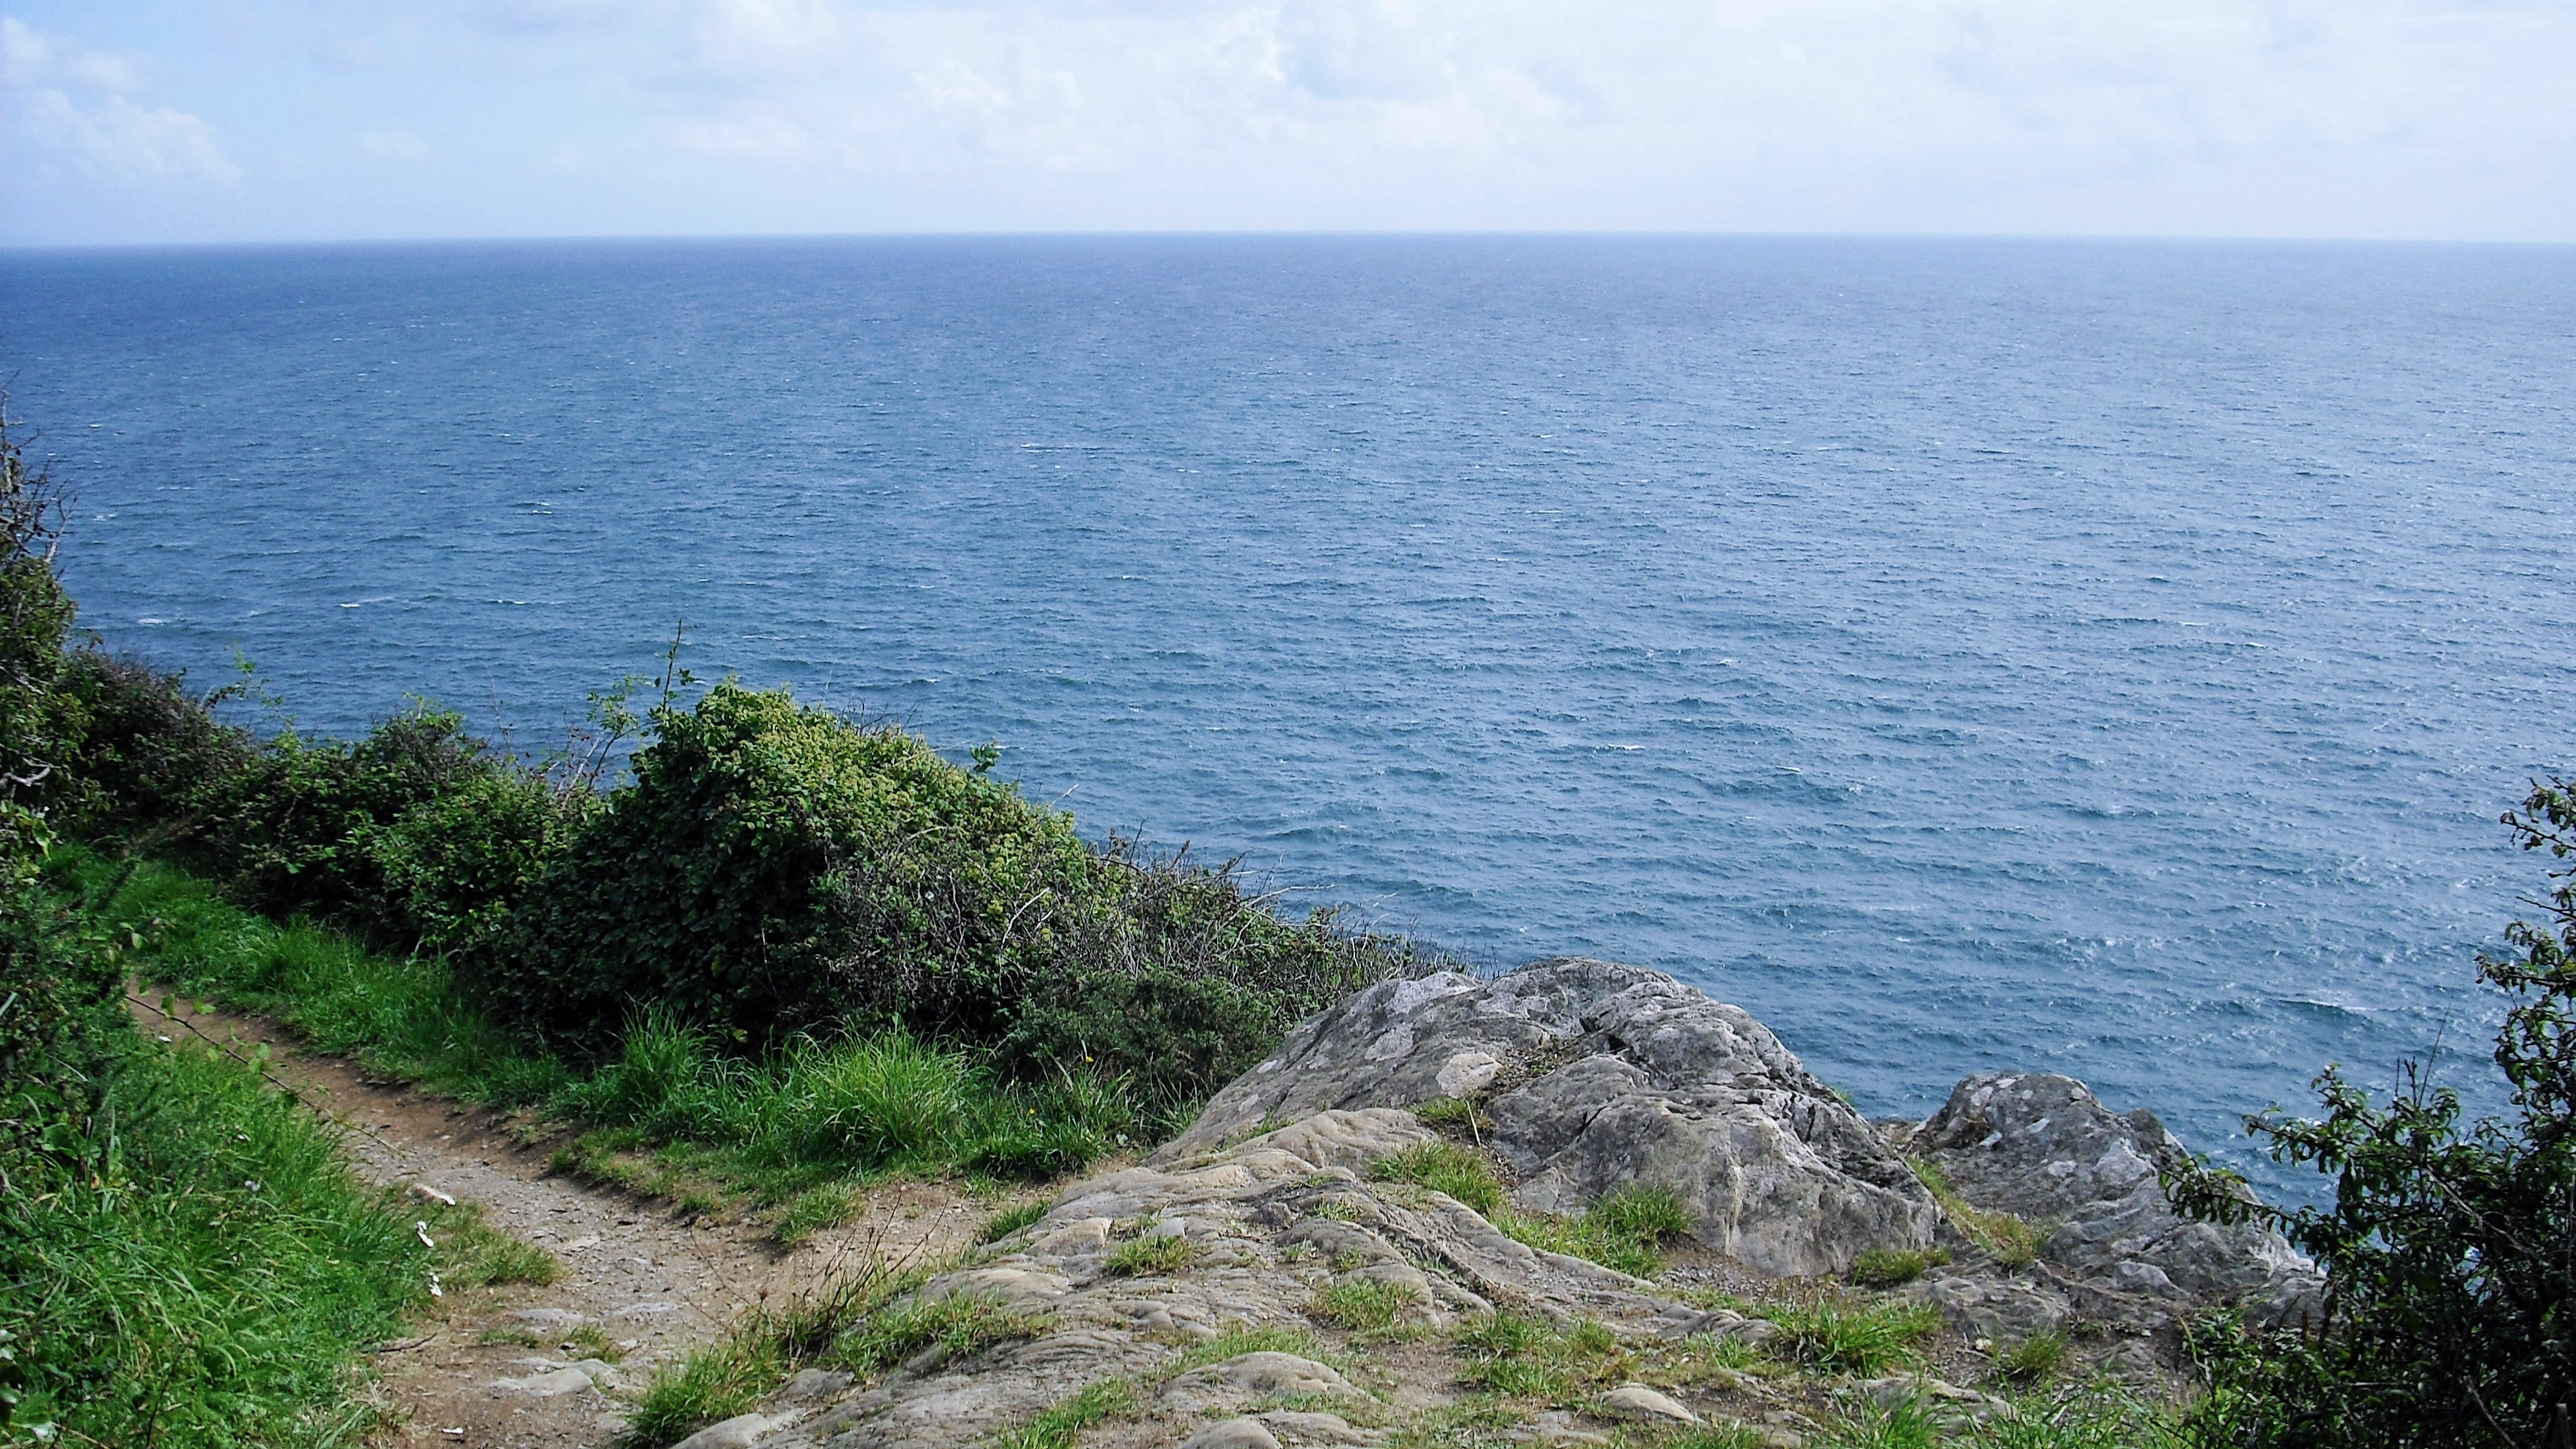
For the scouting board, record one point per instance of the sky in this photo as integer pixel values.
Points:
(154, 121)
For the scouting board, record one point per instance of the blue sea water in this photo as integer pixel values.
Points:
(2093, 657)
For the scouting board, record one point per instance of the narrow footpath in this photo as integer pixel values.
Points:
(526, 1367)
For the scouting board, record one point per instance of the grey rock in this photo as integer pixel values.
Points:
(1299, 1428)
(551, 1381)
(1240, 1380)
(742, 1431)
(1233, 1434)
(2043, 1148)
(1602, 1076)
(1640, 1404)
(1988, 1305)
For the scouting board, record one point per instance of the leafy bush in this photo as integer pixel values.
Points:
(2451, 1279)
(774, 868)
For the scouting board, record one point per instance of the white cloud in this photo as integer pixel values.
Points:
(2123, 115)
(67, 109)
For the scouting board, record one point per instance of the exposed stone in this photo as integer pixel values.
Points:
(1640, 1404)
(1298, 1428)
(1233, 1434)
(2045, 1149)
(1246, 1377)
(1602, 1076)
(549, 1379)
(742, 1431)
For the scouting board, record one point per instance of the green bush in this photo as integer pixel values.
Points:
(774, 868)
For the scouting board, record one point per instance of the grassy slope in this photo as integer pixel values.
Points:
(212, 1272)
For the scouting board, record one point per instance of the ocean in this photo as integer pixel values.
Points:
(2096, 657)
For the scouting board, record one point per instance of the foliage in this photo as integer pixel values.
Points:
(39, 724)
(2449, 1251)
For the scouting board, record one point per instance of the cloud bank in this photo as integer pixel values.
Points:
(127, 120)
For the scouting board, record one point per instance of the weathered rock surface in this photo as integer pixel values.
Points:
(1594, 1077)
(1597, 1076)
(1272, 1222)
(2046, 1150)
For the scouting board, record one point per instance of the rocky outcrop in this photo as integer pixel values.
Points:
(1270, 1225)
(1598, 1076)
(1180, 1282)
(2111, 1248)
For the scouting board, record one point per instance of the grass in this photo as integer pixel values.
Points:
(1894, 1267)
(1905, 1423)
(1151, 1256)
(959, 1327)
(1056, 1427)
(2009, 1240)
(1363, 1305)
(1445, 1167)
(1454, 1117)
(1622, 1231)
(1866, 1339)
(2034, 1359)
(672, 1114)
(214, 1272)
(2099, 1416)
(1011, 1219)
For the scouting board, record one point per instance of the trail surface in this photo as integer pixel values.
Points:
(521, 1366)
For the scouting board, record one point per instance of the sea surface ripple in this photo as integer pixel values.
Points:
(2093, 657)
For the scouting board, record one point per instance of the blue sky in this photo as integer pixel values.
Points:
(234, 120)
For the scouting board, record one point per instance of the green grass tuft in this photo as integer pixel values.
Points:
(1057, 1427)
(2033, 1360)
(1893, 1267)
(2009, 1240)
(1149, 1256)
(1011, 1219)
(1460, 1172)
(1622, 1231)
(1363, 1305)
(1843, 1337)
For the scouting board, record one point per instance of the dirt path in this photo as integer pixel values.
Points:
(551, 1367)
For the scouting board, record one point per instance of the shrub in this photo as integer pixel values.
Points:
(2449, 1272)
(774, 868)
